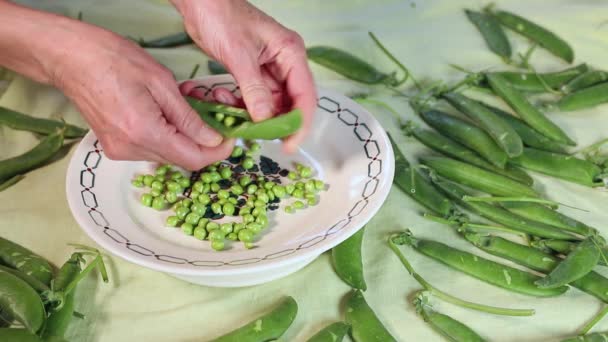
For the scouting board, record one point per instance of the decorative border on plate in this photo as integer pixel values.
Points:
(360, 129)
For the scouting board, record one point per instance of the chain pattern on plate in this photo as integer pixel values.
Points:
(360, 129)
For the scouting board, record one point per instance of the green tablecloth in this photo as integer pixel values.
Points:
(143, 305)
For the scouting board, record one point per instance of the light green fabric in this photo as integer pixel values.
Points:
(144, 305)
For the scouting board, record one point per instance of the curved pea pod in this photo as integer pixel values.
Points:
(541, 213)
(20, 121)
(348, 262)
(58, 322)
(594, 337)
(503, 134)
(500, 215)
(530, 82)
(18, 335)
(488, 271)
(492, 33)
(584, 98)
(36, 157)
(215, 68)
(540, 35)
(172, 40)
(348, 65)
(592, 283)
(467, 134)
(585, 80)
(477, 178)
(455, 150)
(334, 332)
(26, 261)
(450, 328)
(21, 302)
(36, 284)
(526, 111)
(415, 185)
(565, 247)
(577, 264)
(529, 136)
(365, 325)
(561, 166)
(265, 328)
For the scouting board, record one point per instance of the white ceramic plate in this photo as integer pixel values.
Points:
(348, 149)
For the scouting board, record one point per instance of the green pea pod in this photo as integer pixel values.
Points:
(492, 33)
(477, 178)
(541, 213)
(21, 302)
(500, 215)
(592, 283)
(565, 247)
(215, 68)
(529, 136)
(68, 272)
(348, 262)
(561, 166)
(584, 98)
(595, 337)
(58, 322)
(215, 107)
(585, 80)
(455, 150)
(543, 37)
(265, 328)
(36, 157)
(467, 134)
(503, 134)
(334, 332)
(530, 114)
(170, 41)
(530, 82)
(577, 264)
(415, 185)
(488, 271)
(348, 65)
(365, 325)
(36, 284)
(448, 327)
(20, 121)
(18, 335)
(26, 261)
(10, 182)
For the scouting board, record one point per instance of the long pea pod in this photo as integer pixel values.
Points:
(412, 183)
(540, 35)
(169, 41)
(19, 335)
(541, 213)
(215, 68)
(365, 325)
(10, 182)
(477, 178)
(26, 261)
(526, 111)
(334, 332)
(492, 33)
(20, 121)
(267, 327)
(348, 262)
(595, 337)
(36, 157)
(467, 134)
(565, 247)
(500, 215)
(561, 166)
(593, 283)
(36, 284)
(531, 82)
(584, 98)
(455, 150)
(501, 132)
(585, 80)
(21, 302)
(576, 265)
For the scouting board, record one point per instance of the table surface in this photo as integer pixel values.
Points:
(144, 305)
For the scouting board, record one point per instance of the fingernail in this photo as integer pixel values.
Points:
(224, 98)
(262, 111)
(211, 138)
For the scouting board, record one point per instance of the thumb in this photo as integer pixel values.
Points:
(256, 93)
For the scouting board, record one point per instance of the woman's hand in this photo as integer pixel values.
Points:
(268, 61)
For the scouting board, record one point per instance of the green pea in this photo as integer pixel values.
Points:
(254, 227)
(259, 203)
(289, 209)
(148, 179)
(222, 201)
(238, 227)
(229, 121)
(236, 189)
(136, 183)
(139, 178)
(248, 218)
(244, 180)
(245, 235)
(223, 194)
(271, 196)
(162, 170)
(204, 199)
(219, 117)
(300, 185)
(262, 220)
(211, 168)
(184, 182)
(248, 153)
(292, 175)
(171, 197)
(232, 200)
(159, 179)
(216, 208)
(228, 209)
(212, 226)
(232, 237)
(187, 228)
(155, 192)
(308, 195)
(193, 218)
(206, 177)
(237, 151)
(289, 188)
(206, 188)
(146, 199)
(311, 201)
(176, 205)
(226, 228)
(215, 177)
(248, 163)
(256, 211)
(319, 185)
(172, 186)
(279, 191)
(198, 209)
(269, 185)
(249, 245)
(200, 233)
(225, 172)
(245, 210)
(194, 195)
(176, 175)
(251, 201)
(202, 223)
(263, 197)
(159, 203)
(197, 186)
(251, 189)
(216, 234)
(172, 221)
(298, 193)
(298, 205)
(255, 147)
(310, 186)
(156, 185)
(187, 202)
(217, 245)
(181, 212)
(215, 187)
(306, 172)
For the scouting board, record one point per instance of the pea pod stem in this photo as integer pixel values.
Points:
(475, 227)
(96, 263)
(405, 70)
(447, 297)
(594, 321)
